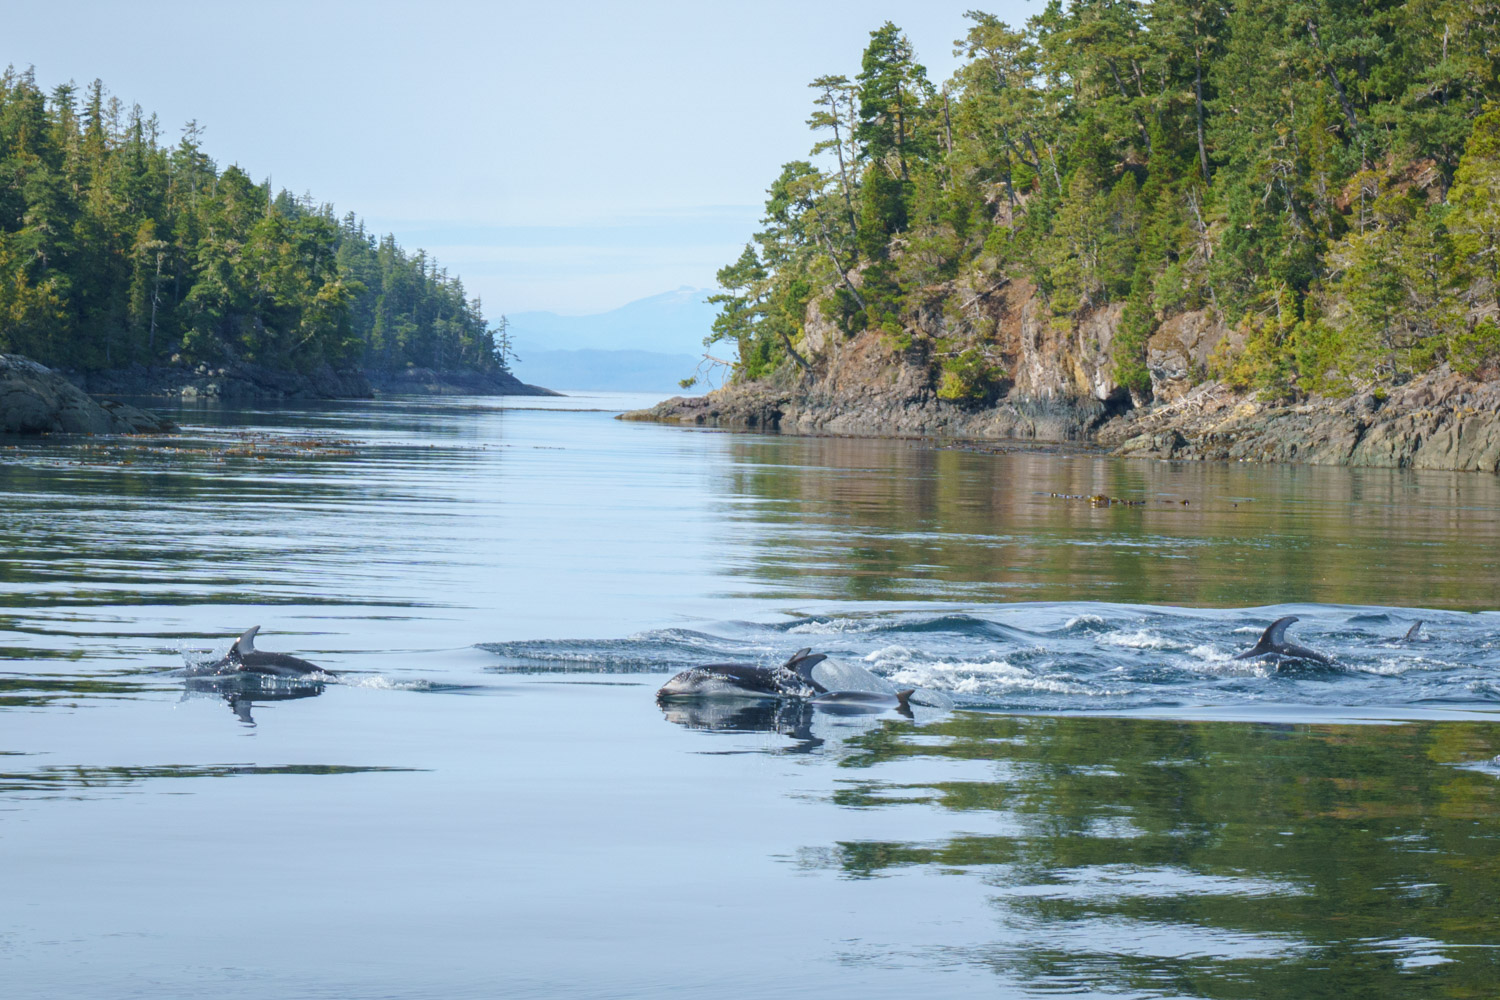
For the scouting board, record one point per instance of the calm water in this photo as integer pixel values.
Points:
(488, 801)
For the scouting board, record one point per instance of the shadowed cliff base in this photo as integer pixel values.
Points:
(240, 380)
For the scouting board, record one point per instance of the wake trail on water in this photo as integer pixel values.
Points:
(1081, 657)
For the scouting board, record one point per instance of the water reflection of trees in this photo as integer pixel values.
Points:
(885, 520)
(1285, 861)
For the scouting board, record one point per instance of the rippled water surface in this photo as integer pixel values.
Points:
(483, 798)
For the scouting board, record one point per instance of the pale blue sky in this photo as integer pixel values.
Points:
(564, 156)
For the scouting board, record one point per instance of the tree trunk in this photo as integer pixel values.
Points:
(1198, 101)
(793, 351)
(844, 274)
(1348, 107)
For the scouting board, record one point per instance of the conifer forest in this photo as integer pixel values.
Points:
(1323, 176)
(120, 247)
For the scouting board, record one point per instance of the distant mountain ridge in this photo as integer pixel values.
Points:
(673, 322)
(647, 345)
(613, 371)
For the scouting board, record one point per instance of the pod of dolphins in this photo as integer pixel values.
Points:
(792, 679)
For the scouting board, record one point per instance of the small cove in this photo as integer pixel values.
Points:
(489, 797)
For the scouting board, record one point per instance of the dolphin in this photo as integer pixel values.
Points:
(1412, 634)
(243, 657)
(1273, 643)
(793, 679)
(863, 702)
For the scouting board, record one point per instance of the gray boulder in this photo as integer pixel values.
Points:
(36, 400)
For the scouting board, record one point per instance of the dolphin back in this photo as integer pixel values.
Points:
(279, 665)
(1412, 633)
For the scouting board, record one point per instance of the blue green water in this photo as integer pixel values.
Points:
(488, 801)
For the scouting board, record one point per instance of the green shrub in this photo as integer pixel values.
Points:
(1473, 350)
(969, 376)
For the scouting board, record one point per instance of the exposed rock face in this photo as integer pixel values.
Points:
(454, 383)
(864, 395)
(36, 400)
(1060, 380)
(1177, 353)
(1061, 388)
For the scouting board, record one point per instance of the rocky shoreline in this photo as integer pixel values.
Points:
(1439, 421)
(35, 399)
(232, 381)
(1056, 384)
(426, 381)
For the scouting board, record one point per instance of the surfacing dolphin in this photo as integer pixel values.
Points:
(793, 679)
(243, 657)
(1273, 643)
(1412, 634)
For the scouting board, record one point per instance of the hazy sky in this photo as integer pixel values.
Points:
(565, 156)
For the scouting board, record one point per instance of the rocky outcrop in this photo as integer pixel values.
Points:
(1178, 353)
(428, 382)
(34, 399)
(1440, 421)
(1058, 384)
(1060, 387)
(864, 395)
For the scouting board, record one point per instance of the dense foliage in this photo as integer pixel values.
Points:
(116, 249)
(1322, 175)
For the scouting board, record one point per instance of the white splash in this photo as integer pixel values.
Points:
(1141, 639)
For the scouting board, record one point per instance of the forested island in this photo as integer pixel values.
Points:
(139, 265)
(1259, 230)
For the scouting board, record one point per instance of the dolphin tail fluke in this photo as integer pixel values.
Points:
(1412, 632)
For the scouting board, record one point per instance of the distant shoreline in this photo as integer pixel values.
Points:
(249, 381)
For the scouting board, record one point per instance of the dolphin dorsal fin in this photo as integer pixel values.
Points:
(1275, 634)
(1411, 633)
(804, 660)
(245, 644)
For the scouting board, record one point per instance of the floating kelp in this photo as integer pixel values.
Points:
(1099, 499)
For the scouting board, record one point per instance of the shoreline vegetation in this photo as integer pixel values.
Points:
(142, 268)
(1259, 232)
